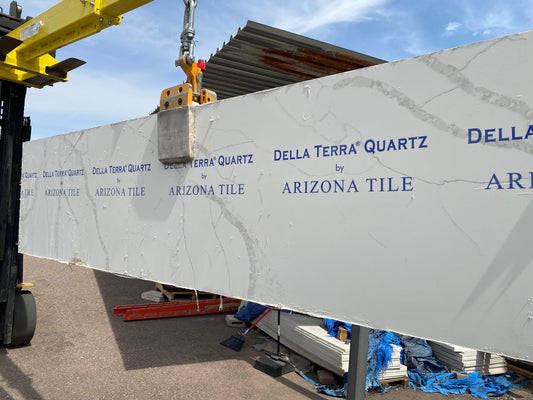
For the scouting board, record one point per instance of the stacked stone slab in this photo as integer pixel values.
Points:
(396, 369)
(308, 337)
(463, 359)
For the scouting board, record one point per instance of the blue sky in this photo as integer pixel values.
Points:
(129, 65)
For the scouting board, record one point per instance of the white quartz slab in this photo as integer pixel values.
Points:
(398, 197)
(460, 358)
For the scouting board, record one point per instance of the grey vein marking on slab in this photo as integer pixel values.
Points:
(460, 228)
(463, 83)
(94, 209)
(376, 240)
(185, 244)
(230, 145)
(73, 150)
(443, 182)
(247, 239)
(491, 44)
(222, 249)
(402, 100)
(120, 127)
(176, 251)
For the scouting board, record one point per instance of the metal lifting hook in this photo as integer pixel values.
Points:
(187, 36)
(191, 91)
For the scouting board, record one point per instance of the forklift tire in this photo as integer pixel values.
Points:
(24, 318)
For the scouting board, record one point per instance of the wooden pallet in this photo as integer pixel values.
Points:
(173, 293)
(342, 334)
(520, 367)
(403, 380)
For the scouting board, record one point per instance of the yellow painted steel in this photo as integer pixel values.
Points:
(25, 285)
(192, 71)
(65, 23)
(189, 92)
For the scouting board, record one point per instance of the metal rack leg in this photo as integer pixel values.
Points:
(357, 366)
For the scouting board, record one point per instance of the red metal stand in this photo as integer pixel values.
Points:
(176, 309)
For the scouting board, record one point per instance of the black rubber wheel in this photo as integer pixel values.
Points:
(24, 318)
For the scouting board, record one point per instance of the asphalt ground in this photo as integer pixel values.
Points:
(81, 351)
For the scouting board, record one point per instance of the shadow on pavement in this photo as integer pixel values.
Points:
(15, 379)
(310, 393)
(166, 341)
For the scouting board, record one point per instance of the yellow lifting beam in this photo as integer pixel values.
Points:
(24, 52)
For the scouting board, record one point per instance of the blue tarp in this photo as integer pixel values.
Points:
(480, 386)
(419, 356)
(333, 327)
(379, 357)
(250, 311)
(425, 372)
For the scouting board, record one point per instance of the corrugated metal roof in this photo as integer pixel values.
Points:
(260, 57)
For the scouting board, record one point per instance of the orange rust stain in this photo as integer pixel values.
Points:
(308, 64)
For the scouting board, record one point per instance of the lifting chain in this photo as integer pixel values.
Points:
(187, 36)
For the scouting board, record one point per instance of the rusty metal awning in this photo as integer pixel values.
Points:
(260, 57)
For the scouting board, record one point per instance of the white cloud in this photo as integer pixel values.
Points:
(415, 44)
(94, 95)
(91, 99)
(452, 26)
(139, 32)
(320, 13)
(304, 16)
(528, 11)
(499, 19)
